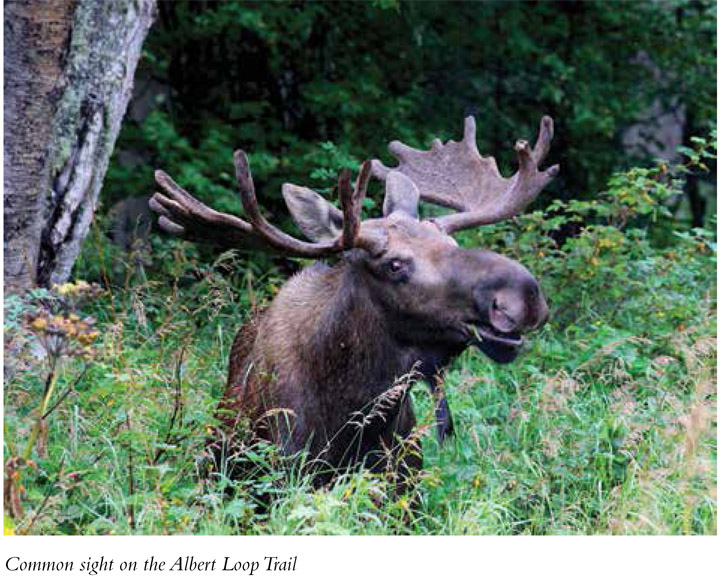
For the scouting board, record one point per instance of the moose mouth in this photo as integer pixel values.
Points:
(500, 347)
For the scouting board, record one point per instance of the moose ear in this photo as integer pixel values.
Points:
(402, 195)
(318, 219)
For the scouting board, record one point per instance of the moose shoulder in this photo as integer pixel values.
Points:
(326, 366)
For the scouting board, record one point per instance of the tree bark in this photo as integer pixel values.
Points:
(69, 67)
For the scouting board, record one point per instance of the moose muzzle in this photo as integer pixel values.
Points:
(509, 303)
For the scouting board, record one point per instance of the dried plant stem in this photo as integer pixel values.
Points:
(131, 477)
(44, 503)
(14, 466)
(47, 394)
(177, 414)
(66, 393)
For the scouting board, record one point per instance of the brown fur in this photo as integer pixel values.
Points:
(327, 366)
(291, 384)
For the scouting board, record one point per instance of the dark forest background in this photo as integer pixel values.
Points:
(309, 87)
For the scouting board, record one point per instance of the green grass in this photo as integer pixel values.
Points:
(606, 425)
(596, 430)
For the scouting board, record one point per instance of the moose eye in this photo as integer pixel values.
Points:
(394, 266)
(397, 270)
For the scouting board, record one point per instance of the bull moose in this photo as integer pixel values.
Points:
(319, 369)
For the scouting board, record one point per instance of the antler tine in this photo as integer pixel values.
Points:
(182, 215)
(544, 139)
(275, 238)
(456, 176)
(362, 183)
(351, 223)
(351, 200)
(470, 134)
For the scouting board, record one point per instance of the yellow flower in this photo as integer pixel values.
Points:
(8, 526)
(64, 289)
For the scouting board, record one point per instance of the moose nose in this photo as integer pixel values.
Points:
(518, 308)
(504, 315)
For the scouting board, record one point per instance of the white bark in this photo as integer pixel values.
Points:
(82, 102)
(35, 36)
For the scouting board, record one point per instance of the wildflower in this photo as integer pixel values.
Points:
(86, 338)
(63, 289)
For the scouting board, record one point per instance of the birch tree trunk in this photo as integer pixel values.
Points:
(69, 67)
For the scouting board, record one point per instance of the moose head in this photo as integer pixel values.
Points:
(403, 295)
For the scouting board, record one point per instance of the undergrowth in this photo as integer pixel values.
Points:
(606, 425)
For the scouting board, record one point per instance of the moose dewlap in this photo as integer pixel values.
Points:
(326, 368)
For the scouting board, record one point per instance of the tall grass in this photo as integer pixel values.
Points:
(606, 425)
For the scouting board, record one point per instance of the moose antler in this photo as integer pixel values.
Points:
(184, 216)
(456, 176)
